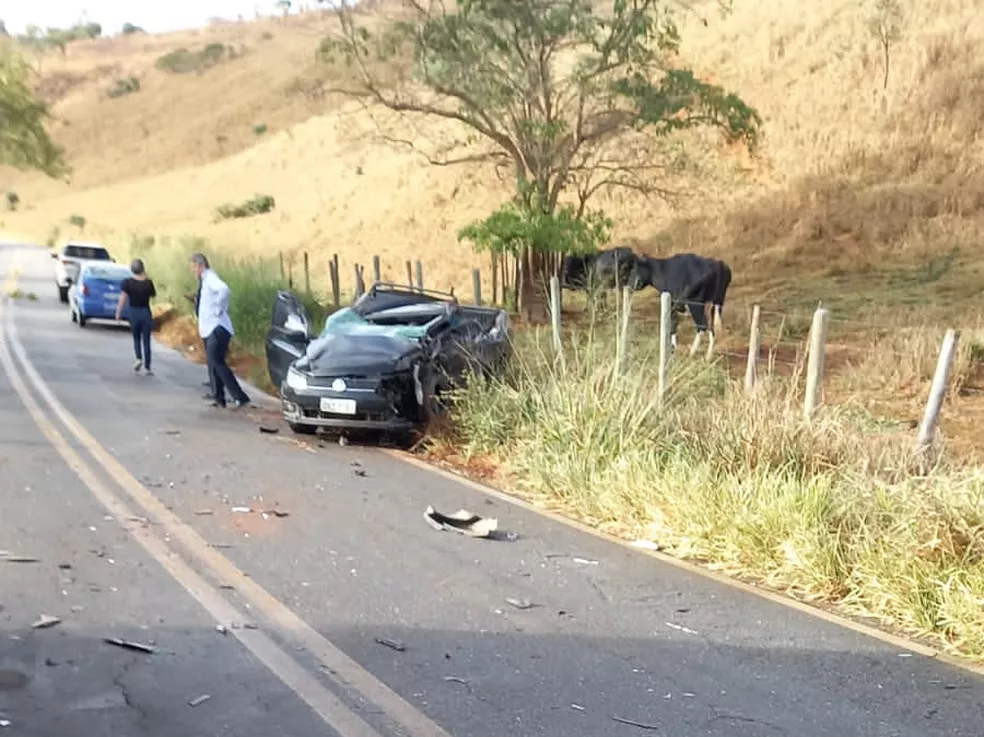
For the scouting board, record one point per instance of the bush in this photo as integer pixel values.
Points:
(258, 205)
(129, 29)
(184, 61)
(77, 221)
(259, 129)
(827, 510)
(13, 200)
(124, 87)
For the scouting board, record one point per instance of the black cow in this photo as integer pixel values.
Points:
(601, 269)
(693, 282)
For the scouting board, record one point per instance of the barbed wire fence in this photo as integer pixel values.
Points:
(800, 341)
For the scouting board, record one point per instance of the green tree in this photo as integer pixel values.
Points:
(24, 142)
(570, 97)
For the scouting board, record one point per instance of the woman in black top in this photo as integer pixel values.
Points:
(139, 290)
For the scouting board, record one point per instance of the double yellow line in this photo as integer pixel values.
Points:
(126, 491)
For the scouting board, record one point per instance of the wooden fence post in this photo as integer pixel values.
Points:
(336, 286)
(477, 286)
(360, 286)
(375, 269)
(814, 369)
(495, 279)
(283, 270)
(290, 274)
(333, 276)
(623, 362)
(665, 336)
(937, 391)
(420, 276)
(754, 347)
(555, 315)
(409, 274)
(307, 274)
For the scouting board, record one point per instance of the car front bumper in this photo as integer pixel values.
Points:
(373, 411)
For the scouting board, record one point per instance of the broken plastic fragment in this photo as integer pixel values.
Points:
(461, 521)
(200, 700)
(126, 644)
(394, 644)
(45, 621)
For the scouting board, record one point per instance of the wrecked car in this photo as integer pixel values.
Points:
(385, 363)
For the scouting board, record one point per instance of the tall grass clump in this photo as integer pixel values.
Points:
(830, 510)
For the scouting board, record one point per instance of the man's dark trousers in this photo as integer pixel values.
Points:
(216, 348)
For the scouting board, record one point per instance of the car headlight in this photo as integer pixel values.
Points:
(296, 380)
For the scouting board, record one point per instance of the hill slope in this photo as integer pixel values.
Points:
(856, 186)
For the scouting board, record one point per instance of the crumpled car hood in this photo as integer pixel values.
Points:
(350, 345)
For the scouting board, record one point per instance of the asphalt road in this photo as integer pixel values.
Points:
(127, 495)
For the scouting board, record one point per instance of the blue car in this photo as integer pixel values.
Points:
(95, 295)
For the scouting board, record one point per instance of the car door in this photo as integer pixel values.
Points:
(288, 337)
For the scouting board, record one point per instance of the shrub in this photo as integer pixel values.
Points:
(123, 87)
(184, 61)
(77, 221)
(13, 200)
(260, 128)
(258, 205)
(827, 510)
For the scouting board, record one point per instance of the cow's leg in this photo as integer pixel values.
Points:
(697, 312)
(711, 339)
(718, 320)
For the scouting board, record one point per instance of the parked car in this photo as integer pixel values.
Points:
(97, 292)
(384, 362)
(70, 260)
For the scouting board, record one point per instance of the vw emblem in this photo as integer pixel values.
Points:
(338, 385)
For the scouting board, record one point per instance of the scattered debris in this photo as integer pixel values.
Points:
(65, 566)
(645, 545)
(342, 440)
(455, 679)
(520, 603)
(585, 561)
(45, 621)
(577, 706)
(226, 586)
(77, 609)
(359, 472)
(220, 546)
(461, 521)
(200, 700)
(128, 645)
(242, 510)
(633, 723)
(11, 558)
(394, 644)
(171, 432)
(222, 629)
(203, 512)
(251, 626)
(277, 512)
(269, 430)
(4, 723)
(682, 628)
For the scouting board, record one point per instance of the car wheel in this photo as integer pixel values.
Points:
(81, 320)
(302, 429)
(63, 295)
(71, 312)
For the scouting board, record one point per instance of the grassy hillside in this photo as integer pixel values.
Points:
(857, 188)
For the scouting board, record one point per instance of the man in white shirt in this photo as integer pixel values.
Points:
(215, 328)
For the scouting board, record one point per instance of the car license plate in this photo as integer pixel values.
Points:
(338, 406)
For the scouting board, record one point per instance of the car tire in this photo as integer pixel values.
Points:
(300, 429)
(81, 320)
(71, 311)
(63, 295)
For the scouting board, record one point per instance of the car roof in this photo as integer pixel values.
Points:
(115, 269)
(85, 244)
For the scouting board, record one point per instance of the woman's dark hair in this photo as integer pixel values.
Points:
(137, 266)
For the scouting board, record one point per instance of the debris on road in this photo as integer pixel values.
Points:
(277, 512)
(461, 521)
(585, 561)
(645, 545)
(342, 440)
(577, 706)
(220, 546)
(681, 628)
(222, 629)
(4, 723)
(65, 566)
(203, 512)
(455, 679)
(359, 472)
(45, 621)
(11, 558)
(520, 603)
(633, 723)
(199, 700)
(128, 645)
(394, 644)
(269, 430)
(242, 510)
(171, 432)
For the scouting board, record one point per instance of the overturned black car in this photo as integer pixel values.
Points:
(383, 363)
